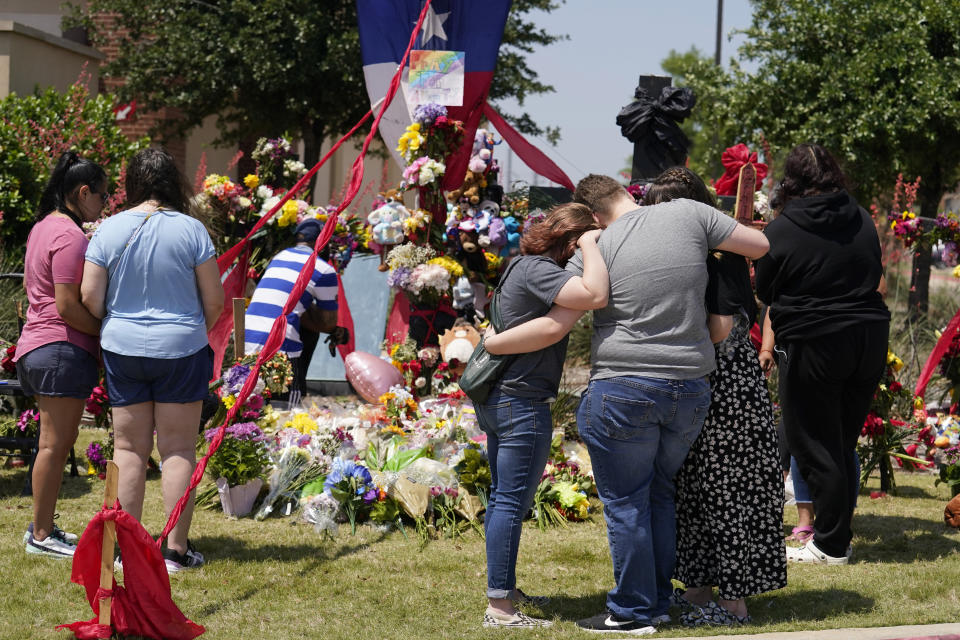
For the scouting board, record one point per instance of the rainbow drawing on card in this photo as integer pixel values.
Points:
(436, 76)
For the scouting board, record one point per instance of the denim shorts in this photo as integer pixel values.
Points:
(58, 369)
(136, 379)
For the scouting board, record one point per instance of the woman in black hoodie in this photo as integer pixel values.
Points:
(821, 280)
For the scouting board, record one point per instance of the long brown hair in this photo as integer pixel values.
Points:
(556, 235)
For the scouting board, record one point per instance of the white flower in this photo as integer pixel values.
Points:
(420, 382)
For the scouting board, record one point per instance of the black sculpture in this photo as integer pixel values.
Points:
(651, 123)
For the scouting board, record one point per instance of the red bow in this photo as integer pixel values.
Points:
(734, 158)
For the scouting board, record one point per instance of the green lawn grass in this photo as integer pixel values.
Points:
(278, 580)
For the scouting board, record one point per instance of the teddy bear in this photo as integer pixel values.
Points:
(470, 189)
(386, 223)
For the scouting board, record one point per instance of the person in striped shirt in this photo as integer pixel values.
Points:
(315, 313)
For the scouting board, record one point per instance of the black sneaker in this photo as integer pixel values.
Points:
(609, 622)
(179, 561)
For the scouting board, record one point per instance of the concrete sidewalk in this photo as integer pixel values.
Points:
(948, 631)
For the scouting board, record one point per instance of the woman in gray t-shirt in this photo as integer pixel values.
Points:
(516, 415)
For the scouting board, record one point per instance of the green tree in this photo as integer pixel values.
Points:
(875, 82)
(34, 131)
(265, 67)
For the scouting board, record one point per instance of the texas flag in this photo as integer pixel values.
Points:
(472, 26)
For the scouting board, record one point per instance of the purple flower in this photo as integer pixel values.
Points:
(436, 491)
(370, 496)
(452, 492)
(426, 114)
(95, 454)
(240, 431)
(234, 378)
(399, 278)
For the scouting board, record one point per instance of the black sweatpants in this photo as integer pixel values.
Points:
(826, 386)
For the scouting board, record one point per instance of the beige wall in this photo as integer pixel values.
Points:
(199, 141)
(31, 58)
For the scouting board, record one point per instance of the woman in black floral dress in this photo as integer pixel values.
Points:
(730, 489)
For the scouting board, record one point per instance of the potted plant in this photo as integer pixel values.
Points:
(238, 466)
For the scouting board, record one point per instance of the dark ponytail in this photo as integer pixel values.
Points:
(678, 182)
(69, 174)
(153, 175)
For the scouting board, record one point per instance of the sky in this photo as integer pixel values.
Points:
(612, 43)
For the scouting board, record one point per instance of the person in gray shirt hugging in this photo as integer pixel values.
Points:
(649, 393)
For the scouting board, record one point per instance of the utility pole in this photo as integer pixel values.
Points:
(716, 55)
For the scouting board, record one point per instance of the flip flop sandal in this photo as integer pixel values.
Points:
(801, 535)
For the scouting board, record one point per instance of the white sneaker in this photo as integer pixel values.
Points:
(810, 554)
(519, 620)
(53, 545)
(68, 537)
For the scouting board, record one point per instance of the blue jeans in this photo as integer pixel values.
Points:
(801, 491)
(638, 432)
(519, 431)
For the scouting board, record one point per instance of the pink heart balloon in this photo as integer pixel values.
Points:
(370, 376)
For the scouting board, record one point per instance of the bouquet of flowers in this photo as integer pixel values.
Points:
(27, 425)
(399, 405)
(352, 486)
(8, 368)
(289, 464)
(562, 495)
(98, 405)
(98, 453)
(277, 162)
(473, 473)
(888, 429)
(241, 456)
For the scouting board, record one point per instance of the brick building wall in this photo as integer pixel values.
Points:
(143, 122)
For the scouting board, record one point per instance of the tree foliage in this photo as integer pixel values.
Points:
(265, 67)
(874, 82)
(34, 131)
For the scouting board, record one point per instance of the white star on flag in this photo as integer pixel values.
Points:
(433, 25)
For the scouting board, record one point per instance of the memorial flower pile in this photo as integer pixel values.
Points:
(892, 429)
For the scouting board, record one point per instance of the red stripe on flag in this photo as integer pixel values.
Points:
(531, 156)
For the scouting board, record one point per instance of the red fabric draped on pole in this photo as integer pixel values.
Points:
(531, 156)
(142, 606)
(943, 344)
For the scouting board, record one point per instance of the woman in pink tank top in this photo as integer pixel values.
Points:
(58, 349)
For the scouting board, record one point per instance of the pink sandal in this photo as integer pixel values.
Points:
(801, 535)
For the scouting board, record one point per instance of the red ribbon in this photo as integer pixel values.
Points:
(733, 159)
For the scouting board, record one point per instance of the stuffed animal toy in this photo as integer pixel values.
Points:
(470, 189)
(458, 344)
(497, 233)
(512, 247)
(386, 223)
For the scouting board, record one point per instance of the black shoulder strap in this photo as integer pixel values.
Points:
(495, 318)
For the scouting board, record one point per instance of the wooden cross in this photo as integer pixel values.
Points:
(746, 186)
(109, 538)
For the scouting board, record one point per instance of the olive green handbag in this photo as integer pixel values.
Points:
(484, 369)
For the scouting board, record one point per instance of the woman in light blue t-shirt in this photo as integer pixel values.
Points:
(151, 275)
